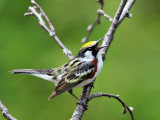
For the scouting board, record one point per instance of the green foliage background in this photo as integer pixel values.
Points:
(131, 69)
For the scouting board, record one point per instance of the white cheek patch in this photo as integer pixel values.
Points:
(88, 55)
(100, 52)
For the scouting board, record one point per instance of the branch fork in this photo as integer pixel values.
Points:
(51, 30)
(101, 12)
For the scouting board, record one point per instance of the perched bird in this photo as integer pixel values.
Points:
(78, 72)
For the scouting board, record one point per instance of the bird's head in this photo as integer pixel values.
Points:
(90, 50)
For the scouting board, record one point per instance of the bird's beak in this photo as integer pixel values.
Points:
(99, 47)
(99, 40)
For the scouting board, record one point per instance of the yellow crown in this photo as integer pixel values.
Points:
(88, 44)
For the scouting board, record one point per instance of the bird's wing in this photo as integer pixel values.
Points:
(66, 67)
(82, 71)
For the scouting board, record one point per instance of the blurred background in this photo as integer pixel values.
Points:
(131, 69)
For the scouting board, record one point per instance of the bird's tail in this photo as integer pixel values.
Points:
(42, 73)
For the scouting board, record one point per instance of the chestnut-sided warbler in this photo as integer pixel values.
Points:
(78, 72)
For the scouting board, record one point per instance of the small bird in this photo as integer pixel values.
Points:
(78, 72)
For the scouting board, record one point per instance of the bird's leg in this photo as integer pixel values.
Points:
(79, 101)
(71, 92)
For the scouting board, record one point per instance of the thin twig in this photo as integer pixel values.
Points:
(97, 21)
(45, 16)
(125, 107)
(110, 34)
(126, 9)
(105, 15)
(5, 112)
(51, 30)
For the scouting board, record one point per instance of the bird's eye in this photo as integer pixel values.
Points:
(89, 48)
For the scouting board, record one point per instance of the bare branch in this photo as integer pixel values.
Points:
(5, 112)
(78, 112)
(126, 9)
(105, 15)
(110, 34)
(45, 16)
(51, 30)
(125, 107)
(116, 22)
(97, 21)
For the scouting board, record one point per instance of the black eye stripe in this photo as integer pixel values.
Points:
(91, 48)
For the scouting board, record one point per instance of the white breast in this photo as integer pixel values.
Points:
(99, 68)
